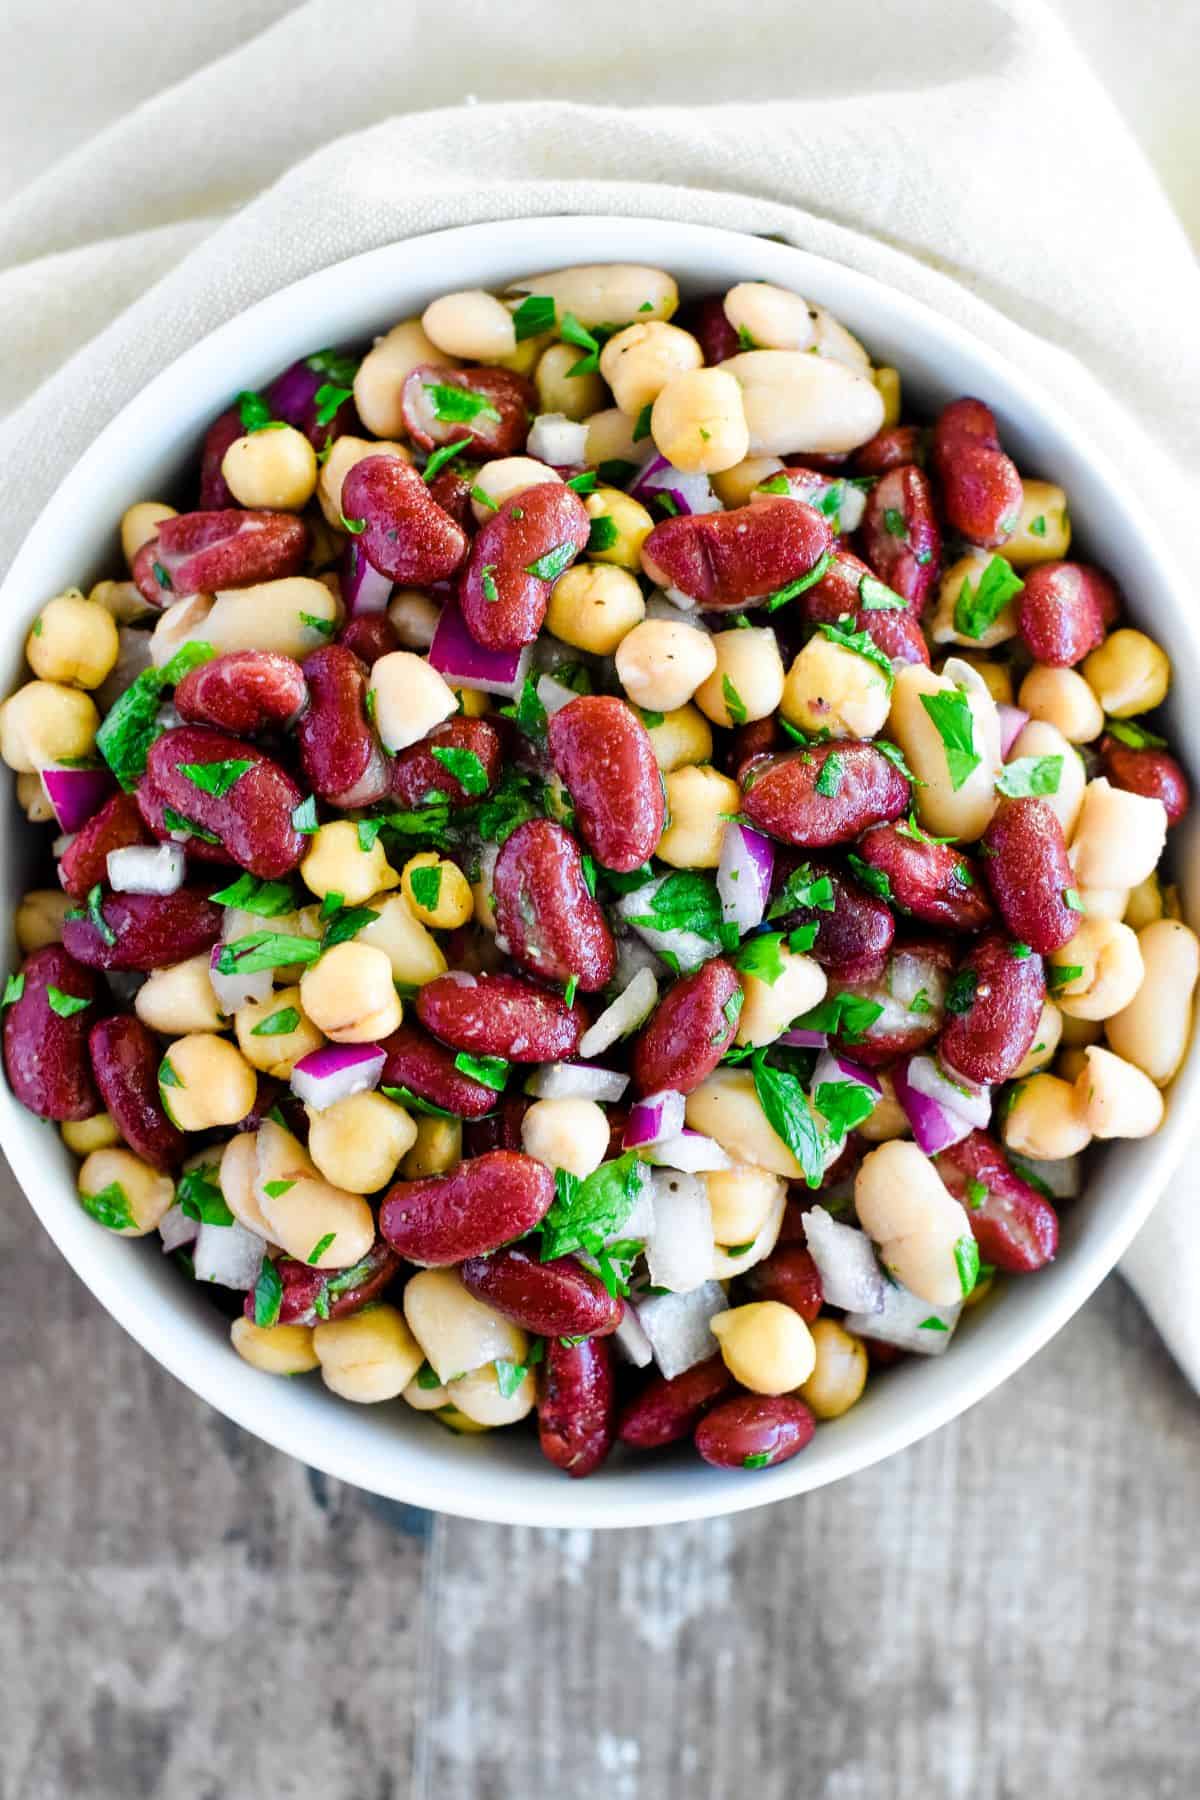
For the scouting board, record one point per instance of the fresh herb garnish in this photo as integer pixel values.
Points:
(977, 609)
(550, 565)
(215, 778)
(586, 1212)
(602, 535)
(131, 726)
(862, 644)
(464, 765)
(803, 889)
(426, 884)
(454, 405)
(279, 1024)
(952, 717)
(65, 1005)
(960, 994)
(761, 957)
(200, 1197)
(110, 1208)
(789, 1115)
(801, 584)
(346, 923)
(267, 899)
(1030, 775)
(14, 987)
(966, 1258)
(178, 824)
(733, 701)
(268, 1295)
(265, 950)
(535, 315)
(492, 1071)
(829, 779)
(876, 880)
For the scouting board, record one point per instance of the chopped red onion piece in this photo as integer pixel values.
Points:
(228, 1255)
(833, 1068)
(632, 1006)
(907, 1322)
(363, 588)
(656, 1117)
(970, 1102)
(691, 1152)
(146, 869)
(75, 794)
(934, 1127)
(336, 1071)
(1012, 723)
(677, 1326)
(464, 663)
(845, 1259)
(744, 875)
(691, 493)
(805, 1040)
(575, 1081)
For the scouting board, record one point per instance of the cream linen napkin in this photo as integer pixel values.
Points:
(962, 152)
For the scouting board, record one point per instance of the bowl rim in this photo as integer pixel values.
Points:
(171, 1336)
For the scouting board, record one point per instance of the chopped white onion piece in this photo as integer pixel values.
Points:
(140, 869)
(907, 1322)
(229, 1255)
(176, 1229)
(832, 1068)
(845, 1259)
(575, 1081)
(554, 695)
(632, 1341)
(691, 1152)
(970, 1102)
(62, 844)
(631, 1008)
(744, 875)
(679, 1250)
(336, 1071)
(677, 597)
(677, 1326)
(234, 990)
(557, 440)
(1063, 1175)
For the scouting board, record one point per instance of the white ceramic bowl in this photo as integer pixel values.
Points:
(389, 1449)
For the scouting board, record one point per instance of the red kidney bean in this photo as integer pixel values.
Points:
(577, 1409)
(84, 862)
(881, 1355)
(689, 1030)
(452, 492)
(501, 1130)
(500, 1015)
(406, 535)
(1015, 1228)
(754, 1431)
(900, 535)
(476, 1208)
(854, 935)
(559, 1298)
(1062, 612)
(918, 966)
(890, 448)
(993, 1007)
(369, 636)
(840, 591)
(706, 321)
(144, 931)
(790, 1276)
(1025, 855)
(225, 429)
(45, 1054)
(251, 820)
(514, 562)
(125, 1058)
(310, 1295)
(734, 559)
(757, 738)
(270, 1093)
(242, 692)
(782, 797)
(1151, 772)
(498, 403)
(418, 775)
(428, 1070)
(981, 489)
(937, 883)
(603, 753)
(196, 553)
(545, 914)
(293, 396)
(666, 1412)
(341, 756)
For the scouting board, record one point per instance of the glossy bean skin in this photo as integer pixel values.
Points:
(988, 1041)
(116, 826)
(891, 448)
(125, 1059)
(418, 775)
(1028, 872)
(547, 918)
(292, 396)
(1015, 1227)
(502, 595)
(900, 535)
(665, 1412)
(707, 321)
(307, 1298)
(758, 738)
(427, 1069)
(1063, 610)
(476, 1208)
(689, 1030)
(935, 883)
(605, 757)
(751, 1426)
(559, 1298)
(577, 1407)
(252, 820)
(452, 492)
(855, 935)
(1151, 772)
(500, 1015)
(369, 636)
(501, 1130)
(499, 429)
(197, 553)
(790, 1276)
(981, 489)
(895, 630)
(898, 1031)
(339, 751)
(781, 795)
(45, 1055)
(733, 559)
(148, 931)
(242, 692)
(214, 495)
(406, 534)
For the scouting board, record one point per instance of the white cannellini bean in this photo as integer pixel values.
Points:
(1109, 961)
(410, 699)
(795, 402)
(903, 1204)
(1116, 1098)
(1152, 1029)
(1118, 838)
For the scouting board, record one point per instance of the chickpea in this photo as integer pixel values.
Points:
(140, 523)
(273, 1034)
(344, 452)
(276, 615)
(887, 380)
(478, 1395)
(888, 1119)
(184, 623)
(275, 1349)
(73, 641)
(700, 801)
(1046, 1039)
(1078, 1033)
(428, 1395)
(238, 1181)
(638, 362)
(1045, 1120)
(685, 736)
(1116, 1098)
(370, 1356)
(830, 688)
(954, 802)
(1144, 903)
(45, 723)
(737, 486)
(39, 919)
(409, 699)
(902, 1203)
(1118, 837)
(996, 678)
(1062, 697)
(747, 683)
(358, 1143)
(1071, 1064)
(1152, 1030)
(769, 1007)
(1128, 674)
(594, 607)
(610, 439)
(437, 890)
(180, 999)
(124, 1193)
(381, 375)
(767, 317)
(471, 324)
(349, 994)
(85, 1135)
(338, 864)
(34, 801)
(732, 1260)
(506, 477)
(839, 1372)
(321, 1225)
(1043, 529)
(959, 582)
(1039, 739)
(727, 1108)
(560, 391)
(1109, 962)
(414, 618)
(413, 952)
(627, 528)
(662, 662)
(766, 1346)
(797, 403)
(699, 423)
(203, 1081)
(274, 469)
(566, 1134)
(605, 293)
(121, 600)
(436, 1150)
(740, 1200)
(457, 1332)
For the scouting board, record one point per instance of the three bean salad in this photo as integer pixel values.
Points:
(601, 874)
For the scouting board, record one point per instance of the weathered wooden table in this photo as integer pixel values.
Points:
(1007, 1609)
